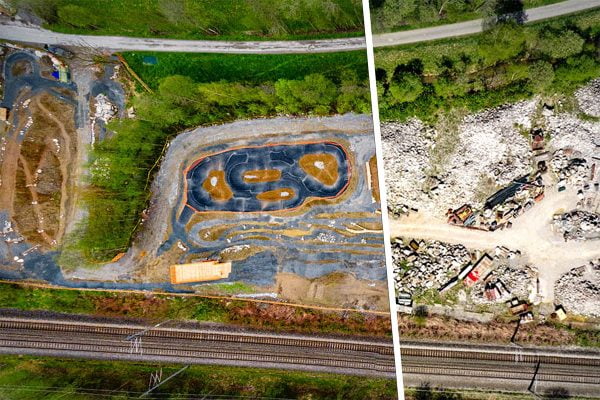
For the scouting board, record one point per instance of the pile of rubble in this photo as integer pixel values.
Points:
(579, 290)
(104, 109)
(506, 281)
(588, 96)
(406, 156)
(577, 225)
(569, 168)
(425, 265)
(500, 208)
(567, 131)
(488, 148)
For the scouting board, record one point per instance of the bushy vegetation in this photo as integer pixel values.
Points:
(395, 15)
(509, 62)
(158, 307)
(189, 19)
(123, 165)
(55, 378)
(248, 68)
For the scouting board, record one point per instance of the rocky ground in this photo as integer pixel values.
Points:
(488, 151)
(519, 280)
(432, 265)
(579, 289)
(588, 96)
(484, 152)
(578, 225)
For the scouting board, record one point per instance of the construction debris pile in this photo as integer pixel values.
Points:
(104, 109)
(579, 290)
(406, 155)
(577, 225)
(508, 280)
(433, 170)
(500, 277)
(569, 168)
(504, 205)
(423, 265)
(588, 96)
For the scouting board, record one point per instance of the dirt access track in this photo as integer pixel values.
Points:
(296, 247)
(531, 233)
(38, 152)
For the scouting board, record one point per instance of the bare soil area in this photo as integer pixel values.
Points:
(336, 290)
(40, 167)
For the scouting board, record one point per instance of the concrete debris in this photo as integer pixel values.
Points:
(406, 154)
(506, 281)
(105, 110)
(577, 225)
(488, 147)
(426, 265)
(588, 96)
(579, 290)
(567, 131)
(569, 168)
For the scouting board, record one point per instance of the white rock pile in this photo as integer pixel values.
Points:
(105, 110)
(579, 290)
(429, 267)
(588, 96)
(569, 169)
(488, 145)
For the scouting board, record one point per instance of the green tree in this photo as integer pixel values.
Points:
(561, 44)
(354, 95)
(501, 43)
(541, 75)
(405, 88)
(314, 94)
(79, 17)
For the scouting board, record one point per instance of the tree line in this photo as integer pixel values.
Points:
(508, 62)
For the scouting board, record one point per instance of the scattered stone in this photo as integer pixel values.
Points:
(577, 225)
(588, 96)
(579, 290)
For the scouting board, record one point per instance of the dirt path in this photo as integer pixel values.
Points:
(531, 234)
(64, 162)
(30, 183)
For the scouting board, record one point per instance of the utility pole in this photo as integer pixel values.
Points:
(136, 338)
(156, 379)
(533, 385)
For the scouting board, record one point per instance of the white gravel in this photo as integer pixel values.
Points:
(588, 96)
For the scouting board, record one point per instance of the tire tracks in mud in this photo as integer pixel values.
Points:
(63, 168)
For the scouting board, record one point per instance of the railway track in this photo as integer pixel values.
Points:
(450, 365)
(110, 341)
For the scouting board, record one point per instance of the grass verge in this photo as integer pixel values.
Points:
(209, 19)
(54, 378)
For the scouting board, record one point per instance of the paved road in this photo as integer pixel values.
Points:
(531, 233)
(475, 26)
(15, 31)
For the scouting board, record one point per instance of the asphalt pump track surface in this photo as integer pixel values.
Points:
(279, 173)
